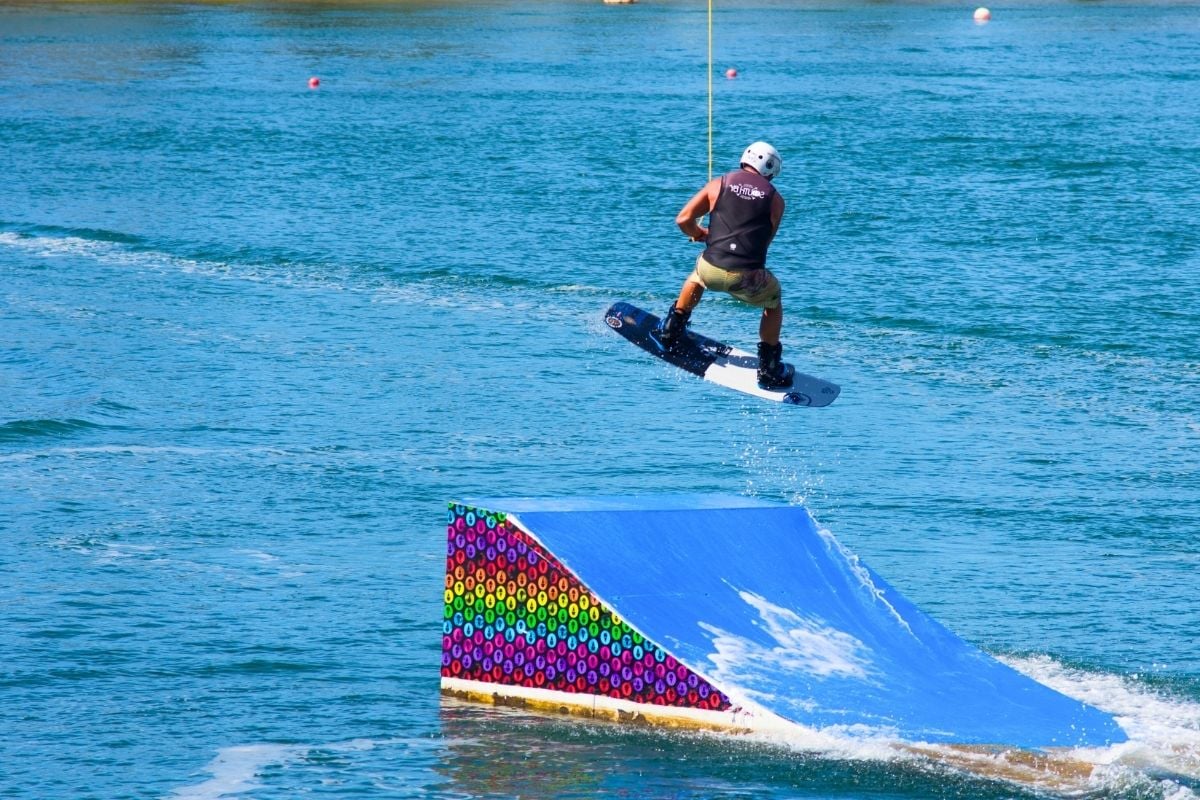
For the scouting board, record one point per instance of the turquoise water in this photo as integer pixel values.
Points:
(254, 336)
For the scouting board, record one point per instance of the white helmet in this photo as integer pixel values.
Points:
(764, 158)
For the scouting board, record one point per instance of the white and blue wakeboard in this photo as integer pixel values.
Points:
(714, 361)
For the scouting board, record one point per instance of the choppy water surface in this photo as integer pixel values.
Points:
(254, 336)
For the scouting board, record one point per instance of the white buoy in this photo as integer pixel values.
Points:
(982, 15)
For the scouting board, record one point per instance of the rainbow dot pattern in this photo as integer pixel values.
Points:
(515, 616)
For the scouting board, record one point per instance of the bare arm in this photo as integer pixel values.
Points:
(777, 206)
(703, 201)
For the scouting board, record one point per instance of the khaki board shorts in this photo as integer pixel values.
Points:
(758, 287)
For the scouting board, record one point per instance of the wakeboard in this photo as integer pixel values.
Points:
(715, 361)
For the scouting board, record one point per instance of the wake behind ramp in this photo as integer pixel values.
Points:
(718, 612)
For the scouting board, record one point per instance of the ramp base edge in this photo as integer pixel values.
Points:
(736, 720)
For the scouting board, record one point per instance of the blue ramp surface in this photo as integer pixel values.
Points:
(772, 610)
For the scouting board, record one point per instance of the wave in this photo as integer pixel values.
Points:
(1163, 725)
(22, 429)
(382, 282)
(1161, 759)
(59, 232)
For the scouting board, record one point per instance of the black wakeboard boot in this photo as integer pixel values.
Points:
(772, 372)
(670, 331)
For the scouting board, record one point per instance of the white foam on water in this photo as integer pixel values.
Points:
(440, 292)
(1160, 760)
(1164, 730)
(258, 555)
(55, 245)
(849, 743)
(580, 288)
(112, 449)
(122, 255)
(115, 551)
(405, 456)
(235, 770)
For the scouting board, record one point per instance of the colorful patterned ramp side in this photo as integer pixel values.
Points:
(519, 626)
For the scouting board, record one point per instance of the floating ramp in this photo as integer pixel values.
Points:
(718, 612)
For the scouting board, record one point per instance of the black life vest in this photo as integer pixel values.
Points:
(739, 229)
